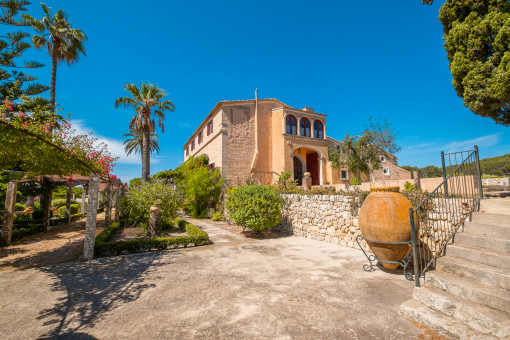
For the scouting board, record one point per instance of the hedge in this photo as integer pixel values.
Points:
(20, 233)
(75, 208)
(104, 247)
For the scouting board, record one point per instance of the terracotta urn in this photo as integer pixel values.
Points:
(384, 216)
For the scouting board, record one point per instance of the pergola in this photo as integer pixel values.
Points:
(93, 185)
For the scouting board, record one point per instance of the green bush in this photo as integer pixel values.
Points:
(137, 203)
(20, 233)
(59, 202)
(37, 204)
(218, 217)
(76, 217)
(75, 208)
(255, 207)
(167, 223)
(409, 187)
(19, 207)
(103, 246)
(181, 223)
(203, 191)
(37, 214)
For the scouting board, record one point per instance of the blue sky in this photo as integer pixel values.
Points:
(347, 59)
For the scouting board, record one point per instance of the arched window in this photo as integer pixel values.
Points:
(291, 124)
(318, 131)
(305, 127)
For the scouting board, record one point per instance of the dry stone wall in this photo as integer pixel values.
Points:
(326, 218)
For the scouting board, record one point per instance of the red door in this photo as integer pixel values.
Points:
(312, 166)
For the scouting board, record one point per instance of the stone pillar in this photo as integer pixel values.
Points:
(107, 207)
(154, 227)
(46, 206)
(83, 199)
(117, 203)
(307, 181)
(10, 201)
(68, 204)
(417, 181)
(30, 202)
(90, 226)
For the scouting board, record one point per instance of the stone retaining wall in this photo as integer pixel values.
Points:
(326, 218)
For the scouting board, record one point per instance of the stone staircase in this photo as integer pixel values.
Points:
(468, 295)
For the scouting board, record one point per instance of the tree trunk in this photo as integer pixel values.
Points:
(146, 154)
(90, 226)
(46, 206)
(107, 208)
(54, 62)
(10, 202)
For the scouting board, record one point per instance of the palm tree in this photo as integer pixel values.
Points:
(147, 100)
(61, 40)
(134, 143)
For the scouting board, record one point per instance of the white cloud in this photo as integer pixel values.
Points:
(483, 141)
(115, 146)
(456, 146)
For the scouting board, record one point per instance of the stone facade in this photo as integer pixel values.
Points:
(326, 218)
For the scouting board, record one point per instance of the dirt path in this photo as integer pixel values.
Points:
(62, 243)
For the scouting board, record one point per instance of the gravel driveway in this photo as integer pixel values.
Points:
(285, 288)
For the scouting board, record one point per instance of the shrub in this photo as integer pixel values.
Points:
(37, 214)
(137, 203)
(19, 207)
(203, 191)
(255, 207)
(75, 208)
(181, 223)
(167, 223)
(20, 233)
(59, 202)
(218, 217)
(409, 187)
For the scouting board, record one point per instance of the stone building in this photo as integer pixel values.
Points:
(260, 138)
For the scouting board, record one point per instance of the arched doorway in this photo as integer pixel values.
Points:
(298, 170)
(312, 164)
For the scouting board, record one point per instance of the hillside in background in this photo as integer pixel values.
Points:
(495, 166)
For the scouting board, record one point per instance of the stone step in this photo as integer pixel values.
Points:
(469, 289)
(479, 255)
(495, 205)
(490, 218)
(440, 322)
(487, 275)
(480, 318)
(486, 229)
(491, 243)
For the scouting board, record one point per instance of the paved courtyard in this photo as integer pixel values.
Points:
(285, 288)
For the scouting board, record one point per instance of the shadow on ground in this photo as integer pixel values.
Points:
(90, 292)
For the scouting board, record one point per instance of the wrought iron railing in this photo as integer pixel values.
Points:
(436, 220)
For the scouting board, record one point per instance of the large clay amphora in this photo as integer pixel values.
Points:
(384, 216)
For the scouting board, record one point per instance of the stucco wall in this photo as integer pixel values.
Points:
(213, 150)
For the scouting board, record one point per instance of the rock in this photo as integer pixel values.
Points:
(331, 231)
